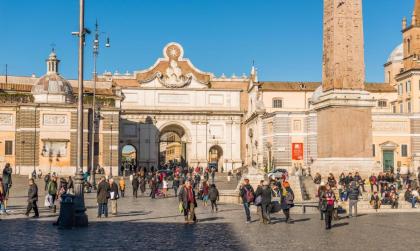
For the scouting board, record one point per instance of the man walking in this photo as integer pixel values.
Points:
(102, 197)
(187, 198)
(135, 184)
(32, 199)
(114, 196)
(7, 184)
(354, 193)
(247, 194)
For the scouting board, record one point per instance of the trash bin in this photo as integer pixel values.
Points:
(67, 215)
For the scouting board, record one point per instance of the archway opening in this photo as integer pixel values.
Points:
(128, 158)
(172, 147)
(216, 157)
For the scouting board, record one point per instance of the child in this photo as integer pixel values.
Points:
(213, 196)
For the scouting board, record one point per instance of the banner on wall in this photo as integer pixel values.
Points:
(297, 151)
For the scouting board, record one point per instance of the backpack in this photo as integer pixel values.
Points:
(249, 195)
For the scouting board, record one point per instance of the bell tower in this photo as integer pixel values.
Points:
(411, 40)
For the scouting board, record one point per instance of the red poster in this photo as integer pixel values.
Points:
(297, 151)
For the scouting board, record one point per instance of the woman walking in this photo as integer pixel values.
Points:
(328, 199)
(266, 194)
(287, 198)
(205, 192)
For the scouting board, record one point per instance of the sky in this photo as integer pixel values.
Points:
(283, 37)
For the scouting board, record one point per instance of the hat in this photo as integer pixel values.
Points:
(286, 184)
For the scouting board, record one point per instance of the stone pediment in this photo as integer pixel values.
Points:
(389, 145)
(173, 71)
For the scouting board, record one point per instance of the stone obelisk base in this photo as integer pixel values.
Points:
(344, 133)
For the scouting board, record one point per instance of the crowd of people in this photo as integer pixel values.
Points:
(269, 197)
(385, 189)
(189, 185)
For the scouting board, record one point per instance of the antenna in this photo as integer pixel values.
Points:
(53, 46)
(6, 73)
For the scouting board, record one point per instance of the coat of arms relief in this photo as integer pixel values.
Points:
(173, 76)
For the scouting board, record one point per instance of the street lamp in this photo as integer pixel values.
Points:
(110, 149)
(81, 219)
(94, 116)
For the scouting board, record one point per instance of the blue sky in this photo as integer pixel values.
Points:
(221, 36)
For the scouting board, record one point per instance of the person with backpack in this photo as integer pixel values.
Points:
(287, 200)
(266, 194)
(214, 197)
(246, 192)
(52, 192)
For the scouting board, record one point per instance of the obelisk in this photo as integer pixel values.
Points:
(343, 106)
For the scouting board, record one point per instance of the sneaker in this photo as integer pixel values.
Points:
(35, 216)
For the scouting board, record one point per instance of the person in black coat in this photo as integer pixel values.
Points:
(213, 197)
(266, 194)
(32, 199)
(102, 197)
(135, 184)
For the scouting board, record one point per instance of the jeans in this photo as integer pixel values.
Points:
(413, 202)
(103, 209)
(371, 187)
(247, 211)
(352, 204)
(176, 191)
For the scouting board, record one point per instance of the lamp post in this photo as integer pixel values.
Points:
(110, 149)
(94, 117)
(81, 219)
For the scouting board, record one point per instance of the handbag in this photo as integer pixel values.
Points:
(47, 201)
(180, 208)
(258, 200)
(323, 206)
(275, 207)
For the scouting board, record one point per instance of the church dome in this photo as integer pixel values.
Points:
(397, 54)
(52, 88)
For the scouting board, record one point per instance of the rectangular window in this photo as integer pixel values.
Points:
(382, 103)
(373, 150)
(394, 109)
(297, 125)
(401, 108)
(96, 149)
(404, 152)
(277, 103)
(8, 147)
(408, 86)
(400, 87)
(409, 107)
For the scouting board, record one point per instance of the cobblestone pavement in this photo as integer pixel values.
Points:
(145, 224)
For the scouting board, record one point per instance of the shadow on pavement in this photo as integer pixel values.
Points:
(41, 235)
